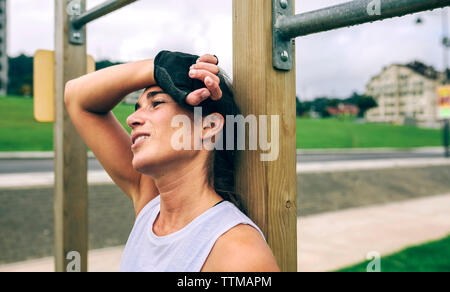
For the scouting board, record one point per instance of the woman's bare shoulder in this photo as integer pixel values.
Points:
(241, 249)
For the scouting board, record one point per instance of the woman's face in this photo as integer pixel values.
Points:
(152, 133)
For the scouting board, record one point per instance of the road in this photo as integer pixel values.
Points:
(36, 165)
(27, 212)
(309, 158)
(46, 165)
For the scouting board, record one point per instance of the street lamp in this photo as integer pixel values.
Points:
(446, 46)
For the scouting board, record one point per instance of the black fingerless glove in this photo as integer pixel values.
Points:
(172, 75)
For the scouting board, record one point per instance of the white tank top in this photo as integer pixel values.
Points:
(183, 251)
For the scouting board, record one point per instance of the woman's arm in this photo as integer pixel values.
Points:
(90, 99)
(101, 91)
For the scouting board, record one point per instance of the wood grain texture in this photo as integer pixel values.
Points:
(267, 188)
(71, 190)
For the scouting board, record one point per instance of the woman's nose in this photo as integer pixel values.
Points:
(134, 120)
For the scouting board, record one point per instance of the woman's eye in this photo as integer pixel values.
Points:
(156, 103)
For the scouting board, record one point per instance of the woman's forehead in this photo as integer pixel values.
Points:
(153, 88)
(152, 92)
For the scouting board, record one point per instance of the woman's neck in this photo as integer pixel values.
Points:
(184, 195)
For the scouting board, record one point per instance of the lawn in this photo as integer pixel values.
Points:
(20, 132)
(431, 257)
(333, 133)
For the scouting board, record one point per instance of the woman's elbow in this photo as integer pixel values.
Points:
(68, 92)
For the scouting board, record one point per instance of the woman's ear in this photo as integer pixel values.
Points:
(212, 126)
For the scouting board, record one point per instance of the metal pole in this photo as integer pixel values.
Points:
(445, 41)
(349, 14)
(446, 137)
(99, 11)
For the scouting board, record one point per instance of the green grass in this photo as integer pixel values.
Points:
(334, 133)
(20, 132)
(431, 257)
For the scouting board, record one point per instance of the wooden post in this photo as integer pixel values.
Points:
(268, 188)
(70, 201)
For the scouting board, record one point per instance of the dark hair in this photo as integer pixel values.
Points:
(222, 163)
(171, 74)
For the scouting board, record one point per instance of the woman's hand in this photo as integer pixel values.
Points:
(205, 70)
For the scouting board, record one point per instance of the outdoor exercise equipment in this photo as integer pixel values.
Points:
(263, 56)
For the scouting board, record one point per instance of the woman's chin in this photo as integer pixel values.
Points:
(152, 161)
(143, 163)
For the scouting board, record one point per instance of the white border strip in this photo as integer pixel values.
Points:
(438, 150)
(340, 151)
(339, 166)
(46, 179)
(33, 155)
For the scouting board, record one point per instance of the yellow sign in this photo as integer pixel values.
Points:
(444, 102)
(44, 84)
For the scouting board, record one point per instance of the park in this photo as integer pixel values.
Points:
(311, 176)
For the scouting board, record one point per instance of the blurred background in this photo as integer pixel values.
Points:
(373, 180)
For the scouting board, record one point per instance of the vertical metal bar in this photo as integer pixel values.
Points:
(445, 40)
(3, 49)
(70, 191)
(446, 137)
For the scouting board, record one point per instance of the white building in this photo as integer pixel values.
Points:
(3, 52)
(406, 94)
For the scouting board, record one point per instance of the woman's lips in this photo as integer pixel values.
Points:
(139, 142)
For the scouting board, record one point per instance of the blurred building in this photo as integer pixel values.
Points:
(3, 52)
(344, 110)
(406, 94)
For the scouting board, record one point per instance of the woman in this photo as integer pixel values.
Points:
(183, 223)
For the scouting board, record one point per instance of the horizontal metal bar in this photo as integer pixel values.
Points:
(349, 14)
(98, 11)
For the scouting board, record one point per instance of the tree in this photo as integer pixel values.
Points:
(363, 102)
(104, 64)
(303, 107)
(321, 105)
(20, 75)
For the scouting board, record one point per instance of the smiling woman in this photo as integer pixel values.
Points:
(188, 216)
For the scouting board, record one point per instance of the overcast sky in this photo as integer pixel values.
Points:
(334, 63)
